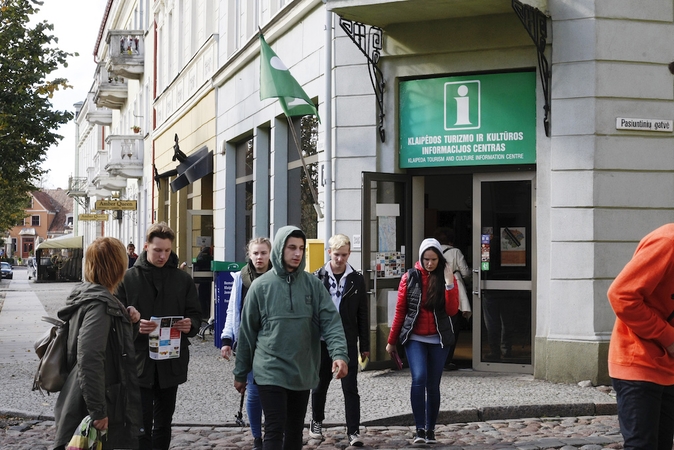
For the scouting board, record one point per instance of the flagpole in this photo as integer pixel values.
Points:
(317, 207)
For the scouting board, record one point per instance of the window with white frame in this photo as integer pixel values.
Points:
(244, 197)
(301, 209)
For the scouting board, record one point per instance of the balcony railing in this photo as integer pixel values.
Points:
(101, 178)
(110, 90)
(96, 115)
(126, 52)
(125, 155)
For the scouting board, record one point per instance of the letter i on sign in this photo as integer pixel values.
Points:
(462, 105)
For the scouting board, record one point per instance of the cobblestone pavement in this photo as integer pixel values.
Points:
(586, 433)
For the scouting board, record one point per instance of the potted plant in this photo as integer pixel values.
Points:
(136, 129)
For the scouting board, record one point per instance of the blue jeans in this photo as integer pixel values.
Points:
(645, 414)
(253, 407)
(426, 363)
(284, 412)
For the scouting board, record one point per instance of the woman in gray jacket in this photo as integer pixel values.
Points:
(102, 382)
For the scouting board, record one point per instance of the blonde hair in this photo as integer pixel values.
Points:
(160, 230)
(339, 241)
(258, 240)
(105, 262)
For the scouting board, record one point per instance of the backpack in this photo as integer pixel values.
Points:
(52, 371)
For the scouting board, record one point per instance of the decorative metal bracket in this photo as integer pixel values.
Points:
(369, 42)
(536, 24)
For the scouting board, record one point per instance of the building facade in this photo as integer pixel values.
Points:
(538, 131)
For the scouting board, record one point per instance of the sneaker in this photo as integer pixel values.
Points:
(420, 436)
(430, 437)
(354, 440)
(316, 429)
(257, 444)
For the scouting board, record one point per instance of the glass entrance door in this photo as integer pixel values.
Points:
(503, 272)
(386, 250)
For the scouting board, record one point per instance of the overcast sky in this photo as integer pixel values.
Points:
(76, 24)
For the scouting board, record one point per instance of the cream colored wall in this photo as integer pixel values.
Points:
(195, 129)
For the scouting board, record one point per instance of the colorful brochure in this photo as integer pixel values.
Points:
(165, 340)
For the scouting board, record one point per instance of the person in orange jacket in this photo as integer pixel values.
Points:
(641, 352)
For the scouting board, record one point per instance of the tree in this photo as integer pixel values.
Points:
(28, 122)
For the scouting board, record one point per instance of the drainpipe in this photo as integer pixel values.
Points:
(328, 124)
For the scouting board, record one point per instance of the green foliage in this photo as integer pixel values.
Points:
(27, 119)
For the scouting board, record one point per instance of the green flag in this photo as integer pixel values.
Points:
(276, 81)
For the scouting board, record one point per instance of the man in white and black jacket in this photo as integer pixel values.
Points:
(347, 290)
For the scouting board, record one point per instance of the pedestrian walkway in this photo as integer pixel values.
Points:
(20, 322)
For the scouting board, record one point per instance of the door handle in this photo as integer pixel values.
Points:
(477, 292)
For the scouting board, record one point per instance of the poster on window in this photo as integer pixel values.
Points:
(513, 247)
(389, 264)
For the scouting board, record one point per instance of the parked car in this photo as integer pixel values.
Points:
(7, 271)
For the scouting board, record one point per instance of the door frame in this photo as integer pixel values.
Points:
(478, 178)
(367, 252)
(189, 256)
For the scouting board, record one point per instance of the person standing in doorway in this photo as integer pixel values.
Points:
(258, 251)
(457, 264)
(641, 351)
(286, 312)
(156, 287)
(131, 253)
(427, 298)
(347, 289)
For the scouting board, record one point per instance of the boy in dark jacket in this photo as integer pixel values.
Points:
(347, 289)
(156, 287)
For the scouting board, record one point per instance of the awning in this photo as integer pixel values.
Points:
(67, 241)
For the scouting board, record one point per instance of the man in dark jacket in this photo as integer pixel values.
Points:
(156, 287)
(347, 289)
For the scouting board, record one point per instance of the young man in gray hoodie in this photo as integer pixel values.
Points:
(287, 310)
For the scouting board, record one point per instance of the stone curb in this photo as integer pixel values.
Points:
(444, 417)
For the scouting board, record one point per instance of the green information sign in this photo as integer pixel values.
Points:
(468, 120)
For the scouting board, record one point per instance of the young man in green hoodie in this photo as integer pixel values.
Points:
(286, 312)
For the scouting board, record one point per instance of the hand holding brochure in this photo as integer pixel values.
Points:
(165, 340)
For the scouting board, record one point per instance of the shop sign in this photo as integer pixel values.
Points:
(93, 217)
(124, 205)
(472, 120)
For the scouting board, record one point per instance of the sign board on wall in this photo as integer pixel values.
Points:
(468, 120)
(126, 205)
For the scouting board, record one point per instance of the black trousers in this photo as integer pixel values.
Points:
(158, 407)
(284, 412)
(645, 414)
(349, 388)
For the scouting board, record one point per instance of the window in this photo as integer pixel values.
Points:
(35, 221)
(301, 209)
(244, 197)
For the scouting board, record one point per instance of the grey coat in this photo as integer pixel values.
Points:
(102, 382)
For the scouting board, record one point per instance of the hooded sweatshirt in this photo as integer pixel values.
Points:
(642, 296)
(284, 316)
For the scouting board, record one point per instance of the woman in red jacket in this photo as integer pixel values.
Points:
(427, 298)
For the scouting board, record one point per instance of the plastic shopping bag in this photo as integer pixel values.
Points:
(86, 437)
